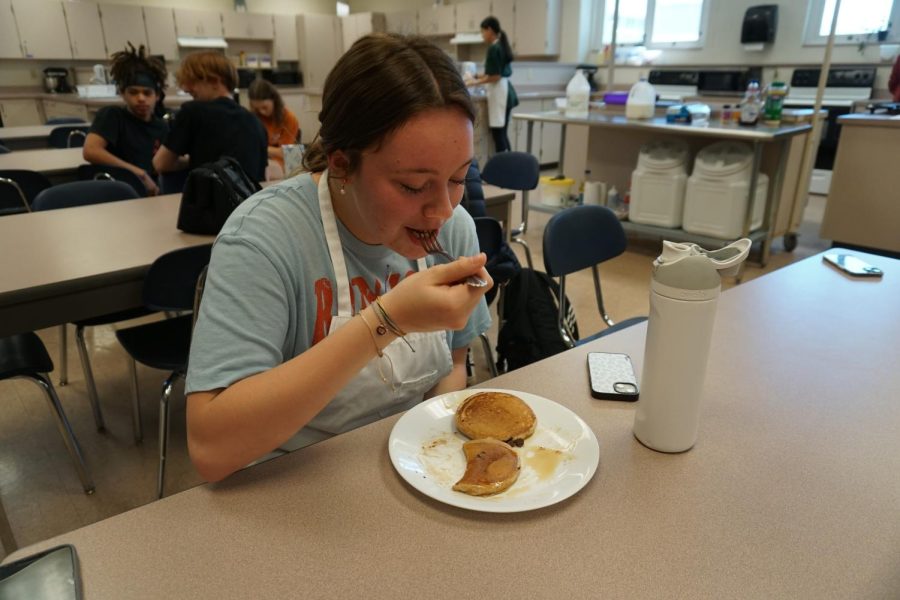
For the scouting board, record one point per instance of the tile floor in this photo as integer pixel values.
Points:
(39, 486)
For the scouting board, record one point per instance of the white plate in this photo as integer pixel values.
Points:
(557, 461)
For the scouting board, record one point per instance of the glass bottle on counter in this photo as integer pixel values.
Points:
(751, 105)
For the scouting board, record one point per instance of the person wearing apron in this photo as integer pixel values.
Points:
(501, 95)
(321, 310)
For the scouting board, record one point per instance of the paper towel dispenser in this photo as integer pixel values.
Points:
(760, 23)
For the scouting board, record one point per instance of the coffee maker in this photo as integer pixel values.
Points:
(56, 81)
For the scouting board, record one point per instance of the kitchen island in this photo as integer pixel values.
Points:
(607, 146)
(863, 206)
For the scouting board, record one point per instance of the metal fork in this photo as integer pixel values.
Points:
(430, 243)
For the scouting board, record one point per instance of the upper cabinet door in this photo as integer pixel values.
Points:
(247, 26)
(42, 29)
(469, 15)
(537, 27)
(404, 23)
(504, 10)
(198, 23)
(10, 47)
(161, 36)
(437, 20)
(85, 31)
(122, 23)
(286, 38)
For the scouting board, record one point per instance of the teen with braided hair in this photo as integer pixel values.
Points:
(128, 136)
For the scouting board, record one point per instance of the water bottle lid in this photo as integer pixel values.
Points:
(689, 272)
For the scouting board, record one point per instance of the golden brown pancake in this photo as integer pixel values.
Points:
(495, 415)
(491, 467)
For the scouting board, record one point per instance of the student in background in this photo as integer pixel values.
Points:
(281, 124)
(128, 136)
(213, 125)
(894, 81)
(501, 96)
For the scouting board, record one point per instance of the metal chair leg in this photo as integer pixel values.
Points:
(89, 377)
(519, 240)
(63, 356)
(136, 423)
(7, 541)
(164, 430)
(488, 353)
(65, 429)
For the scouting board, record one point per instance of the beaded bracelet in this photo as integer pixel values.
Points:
(381, 331)
(389, 323)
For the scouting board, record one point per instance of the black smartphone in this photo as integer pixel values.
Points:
(852, 265)
(49, 574)
(612, 376)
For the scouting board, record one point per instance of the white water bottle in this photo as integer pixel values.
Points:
(578, 93)
(684, 292)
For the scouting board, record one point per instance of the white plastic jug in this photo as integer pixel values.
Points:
(641, 101)
(578, 93)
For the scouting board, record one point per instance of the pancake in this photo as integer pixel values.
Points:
(495, 415)
(491, 467)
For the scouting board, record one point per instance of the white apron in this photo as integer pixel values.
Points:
(366, 398)
(497, 96)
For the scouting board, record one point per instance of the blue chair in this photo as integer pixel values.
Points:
(68, 136)
(65, 120)
(171, 284)
(578, 238)
(24, 355)
(111, 173)
(19, 188)
(68, 195)
(515, 171)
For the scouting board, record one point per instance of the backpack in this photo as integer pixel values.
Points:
(530, 309)
(212, 191)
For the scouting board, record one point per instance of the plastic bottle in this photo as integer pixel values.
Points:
(726, 114)
(684, 291)
(641, 103)
(578, 93)
(751, 105)
(774, 103)
(614, 202)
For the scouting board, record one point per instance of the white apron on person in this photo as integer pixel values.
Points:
(497, 97)
(367, 398)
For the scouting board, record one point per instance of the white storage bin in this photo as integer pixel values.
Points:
(715, 202)
(658, 184)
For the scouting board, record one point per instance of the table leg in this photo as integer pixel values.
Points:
(774, 202)
(562, 151)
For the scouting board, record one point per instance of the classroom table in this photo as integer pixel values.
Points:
(53, 162)
(791, 490)
(26, 137)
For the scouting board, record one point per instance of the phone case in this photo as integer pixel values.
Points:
(612, 376)
(852, 265)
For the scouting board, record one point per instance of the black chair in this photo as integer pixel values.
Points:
(515, 171)
(68, 195)
(577, 238)
(65, 120)
(170, 285)
(19, 188)
(24, 355)
(111, 173)
(4, 149)
(68, 136)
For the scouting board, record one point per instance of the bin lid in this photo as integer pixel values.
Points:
(662, 155)
(724, 158)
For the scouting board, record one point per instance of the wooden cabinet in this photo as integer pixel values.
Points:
(10, 47)
(160, 24)
(18, 113)
(122, 23)
(247, 26)
(42, 29)
(504, 10)
(469, 15)
(357, 25)
(437, 20)
(285, 45)
(537, 27)
(404, 23)
(85, 31)
(198, 23)
(54, 109)
(319, 44)
(306, 107)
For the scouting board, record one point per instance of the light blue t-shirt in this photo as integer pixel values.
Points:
(270, 290)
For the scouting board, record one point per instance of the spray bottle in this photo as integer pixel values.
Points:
(684, 291)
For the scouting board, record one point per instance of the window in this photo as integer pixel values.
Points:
(654, 23)
(858, 20)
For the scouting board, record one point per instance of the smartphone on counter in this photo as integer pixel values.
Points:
(612, 376)
(852, 265)
(51, 574)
